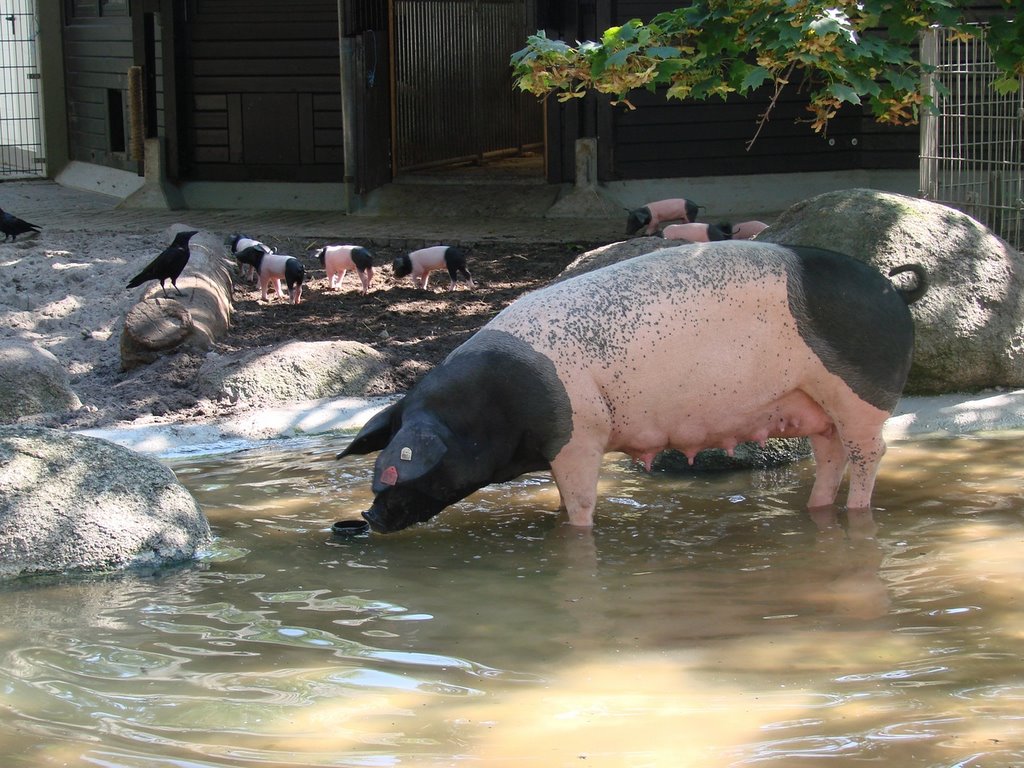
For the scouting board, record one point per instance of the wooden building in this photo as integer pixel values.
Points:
(361, 91)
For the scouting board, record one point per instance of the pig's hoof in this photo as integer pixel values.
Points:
(350, 528)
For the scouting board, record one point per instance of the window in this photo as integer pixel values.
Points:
(91, 9)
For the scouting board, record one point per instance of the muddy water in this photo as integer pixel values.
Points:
(706, 621)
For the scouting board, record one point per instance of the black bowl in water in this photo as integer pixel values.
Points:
(350, 528)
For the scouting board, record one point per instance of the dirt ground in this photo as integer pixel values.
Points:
(66, 293)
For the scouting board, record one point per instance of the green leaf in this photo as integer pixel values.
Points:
(618, 58)
(663, 52)
(754, 78)
(1004, 86)
(843, 92)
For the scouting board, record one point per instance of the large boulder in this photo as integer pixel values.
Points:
(73, 503)
(157, 324)
(32, 381)
(292, 372)
(614, 253)
(970, 323)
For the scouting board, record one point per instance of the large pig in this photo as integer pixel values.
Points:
(337, 260)
(692, 347)
(654, 214)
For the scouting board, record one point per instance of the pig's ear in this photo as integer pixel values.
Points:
(374, 435)
(414, 451)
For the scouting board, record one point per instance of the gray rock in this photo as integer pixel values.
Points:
(293, 371)
(71, 503)
(32, 381)
(612, 254)
(970, 323)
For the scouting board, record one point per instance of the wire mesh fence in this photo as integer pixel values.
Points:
(971, 148)
(21, 140)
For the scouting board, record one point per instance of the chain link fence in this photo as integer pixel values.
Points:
(972, 146)
(21, 141)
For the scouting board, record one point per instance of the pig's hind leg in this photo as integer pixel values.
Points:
(865, 449)
(862, 448)
(829, 466)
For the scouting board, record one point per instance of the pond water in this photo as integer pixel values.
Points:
(706, 621)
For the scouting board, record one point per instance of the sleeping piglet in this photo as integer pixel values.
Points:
(691, 347)
(654, 214)
(339, 259)
(424, 261)
(275, 267)
(710, 233)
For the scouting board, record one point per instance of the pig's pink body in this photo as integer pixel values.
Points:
(717, 362)
(699, 232)
(272, 270)
(691, 233)
(337, 263)
(746, 230)
(427, 260)
(672, 209)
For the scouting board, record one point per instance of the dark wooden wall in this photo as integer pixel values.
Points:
(670, 138)
(261, 91)
(97, 55)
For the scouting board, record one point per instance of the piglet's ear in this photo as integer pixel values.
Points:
(414, 451)
(375, 434)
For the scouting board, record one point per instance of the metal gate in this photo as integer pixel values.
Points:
(453, 93)
(21, 131)
(971, 150)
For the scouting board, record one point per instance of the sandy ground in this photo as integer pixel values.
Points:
(66, 293)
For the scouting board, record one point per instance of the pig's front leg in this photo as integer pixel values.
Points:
(280, 290)
(423, 280)
(576, 470)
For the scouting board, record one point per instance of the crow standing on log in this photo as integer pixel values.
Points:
(12, 226)
(168, 265)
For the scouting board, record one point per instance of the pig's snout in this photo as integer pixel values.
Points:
(376, 521)
(382, 520)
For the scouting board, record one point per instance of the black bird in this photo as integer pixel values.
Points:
(168, 265)
(12, 226)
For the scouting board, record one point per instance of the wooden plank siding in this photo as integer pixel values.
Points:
(665, 138)
(97, 55)
(262, 91)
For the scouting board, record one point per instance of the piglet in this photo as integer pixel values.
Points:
(698, 232)
(748, 230)
(276, 267)
(654, 214)
(710, 233)
(339, 259)
(239, 243)
(424, 261)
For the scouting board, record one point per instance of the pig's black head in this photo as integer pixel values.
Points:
(402, 266)
(253, 256)
(421, 469)
(494, 409)
(637, 219)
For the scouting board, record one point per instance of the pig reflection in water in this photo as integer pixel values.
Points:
(694, 347)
